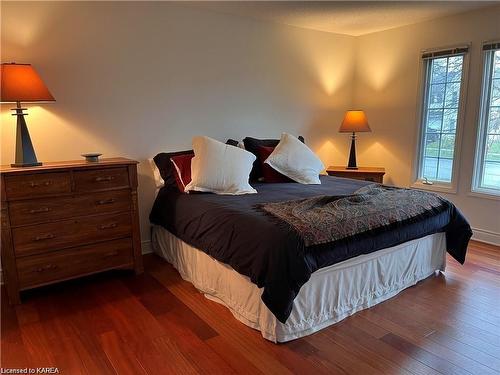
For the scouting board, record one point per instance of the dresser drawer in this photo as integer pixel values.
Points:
(35, 185)
(40, 269)
(40, 238)
(49, 209)
(101, 179)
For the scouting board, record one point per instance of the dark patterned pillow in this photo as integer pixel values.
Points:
(182, 165)
(167, 169)
(253, 145)
(269, 174)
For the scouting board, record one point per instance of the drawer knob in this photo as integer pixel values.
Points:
(105, 201)
(104, 178)
(107, 226)
(39, 210)
(45, 237)
(35, 184)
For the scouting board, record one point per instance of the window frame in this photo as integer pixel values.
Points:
(424, 78)
(482, 125)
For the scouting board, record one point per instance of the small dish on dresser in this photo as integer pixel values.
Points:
(92, 157)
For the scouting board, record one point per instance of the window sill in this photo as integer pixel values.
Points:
(449, 189)
(484, 194)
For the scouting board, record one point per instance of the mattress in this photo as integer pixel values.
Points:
(331, 294)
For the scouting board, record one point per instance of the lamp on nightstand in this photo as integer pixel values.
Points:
(21, 83)
(354, 121)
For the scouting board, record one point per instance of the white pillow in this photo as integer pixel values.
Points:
(295, 160)
(220, 168)
(159, 183)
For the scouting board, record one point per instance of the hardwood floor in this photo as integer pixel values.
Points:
(157, 323)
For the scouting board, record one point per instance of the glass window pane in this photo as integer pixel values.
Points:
(447, 146)
(445, 167)
(491, 175)
(441, 116)
(434, 120)
(430, 168)
(495, 92)
(450, 120)
(496, 65)
(438, 74)
(436, 96)
(432, 144)
(494, 121)
(455, 68)
(487, 175)
(452, 95)
(492, 149)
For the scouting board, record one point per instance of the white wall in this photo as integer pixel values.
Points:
(134, 79)
(387, 80)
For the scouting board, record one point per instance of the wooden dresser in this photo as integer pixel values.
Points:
(68, 219)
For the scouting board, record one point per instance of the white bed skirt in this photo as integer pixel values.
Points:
(332, 293)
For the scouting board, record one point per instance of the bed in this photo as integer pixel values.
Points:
(259, 267)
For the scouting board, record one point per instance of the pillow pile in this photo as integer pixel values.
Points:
(213, 166)
(165, 170)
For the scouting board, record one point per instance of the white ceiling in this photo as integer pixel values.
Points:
(344, 17)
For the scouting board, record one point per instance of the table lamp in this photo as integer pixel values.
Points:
(21, 83)
(354, 121)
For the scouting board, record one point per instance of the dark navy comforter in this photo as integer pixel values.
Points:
(232, 230)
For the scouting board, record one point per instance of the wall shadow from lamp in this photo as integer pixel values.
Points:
(354, 121)
(21, 83)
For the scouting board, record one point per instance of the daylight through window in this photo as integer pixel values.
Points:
(487, 167)
(440, 115)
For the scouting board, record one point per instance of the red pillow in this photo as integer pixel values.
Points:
(182, 165)
(268, 173)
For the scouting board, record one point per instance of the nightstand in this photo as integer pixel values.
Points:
(68, 219)
(362, 173)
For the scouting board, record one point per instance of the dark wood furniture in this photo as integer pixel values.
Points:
(362, 173)
(68, 219)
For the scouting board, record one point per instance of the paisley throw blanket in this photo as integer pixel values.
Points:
(327, 219)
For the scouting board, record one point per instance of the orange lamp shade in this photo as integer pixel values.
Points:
(21, 83)
(354, 121)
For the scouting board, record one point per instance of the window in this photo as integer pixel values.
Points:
(487, 166)
(444, 73)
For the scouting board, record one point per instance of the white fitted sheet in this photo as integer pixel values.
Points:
(332, 293)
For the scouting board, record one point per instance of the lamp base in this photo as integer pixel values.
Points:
(352, 154)
(21, 165)
(25, 153)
